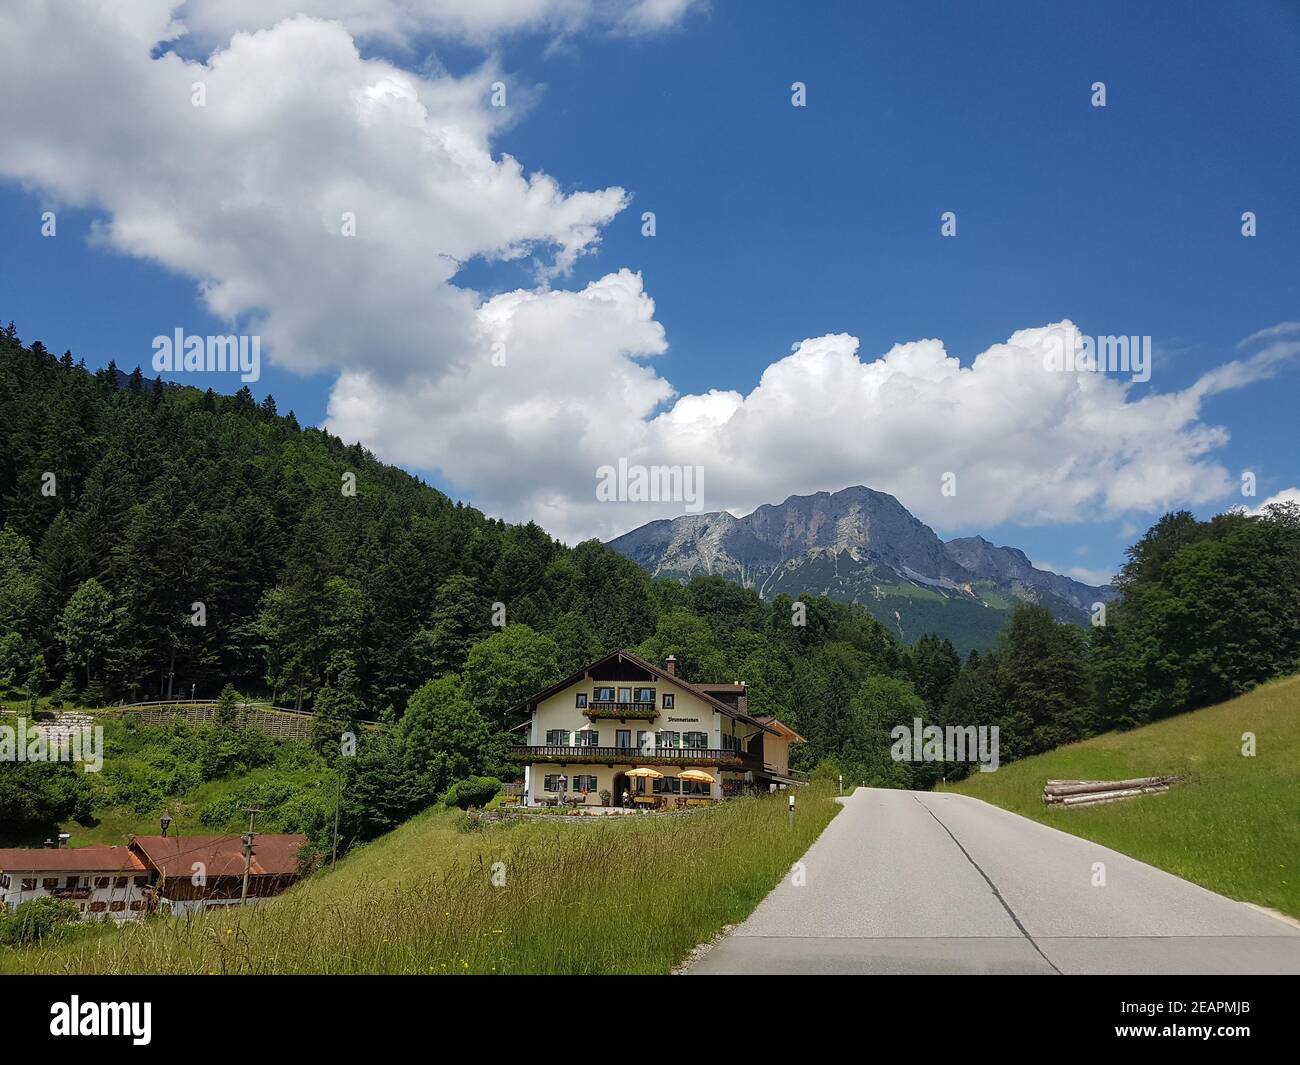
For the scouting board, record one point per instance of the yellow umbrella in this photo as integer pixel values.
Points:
(653, 774)
(699, 776)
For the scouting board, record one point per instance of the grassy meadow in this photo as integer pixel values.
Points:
(1233, 826)
(580, 896)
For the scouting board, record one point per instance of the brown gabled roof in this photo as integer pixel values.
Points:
(781, 728)
(95, 859)
(662, 674)
(220, 855)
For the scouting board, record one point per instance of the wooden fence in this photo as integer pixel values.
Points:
(282, 722)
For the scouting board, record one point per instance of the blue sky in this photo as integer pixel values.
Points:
(776, 223)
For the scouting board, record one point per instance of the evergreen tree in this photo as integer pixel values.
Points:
(86, 627)
(226, 716)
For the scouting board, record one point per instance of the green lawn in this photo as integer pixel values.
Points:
(1233, 826)
(582, 896)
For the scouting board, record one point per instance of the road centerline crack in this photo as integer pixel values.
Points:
(992, 886)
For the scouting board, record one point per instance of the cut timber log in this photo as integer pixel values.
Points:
(1098, 798)
(1084, 787)
(1088, 792)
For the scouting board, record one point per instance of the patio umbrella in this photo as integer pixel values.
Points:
(697, 775)
(652, 774)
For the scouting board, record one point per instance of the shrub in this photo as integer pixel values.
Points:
(305, 810)
(828, 770)
(183, 778)
(472, 791)
(140, 787)
(270, 795)
(36, 919)
(64, 695)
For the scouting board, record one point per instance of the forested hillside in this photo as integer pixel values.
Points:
(130, 510)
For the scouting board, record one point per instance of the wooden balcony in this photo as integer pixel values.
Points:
(622, 711)
(670, 756)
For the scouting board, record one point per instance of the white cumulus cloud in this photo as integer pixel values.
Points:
(300, 141)
(1023, 443)
(476, 21)
(517, 400)
(1287, 495)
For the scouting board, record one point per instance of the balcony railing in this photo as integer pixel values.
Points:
(622, 711)
(564, 755)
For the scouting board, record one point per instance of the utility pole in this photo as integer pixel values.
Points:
(248, 851)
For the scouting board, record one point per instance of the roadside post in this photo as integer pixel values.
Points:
(792, 809)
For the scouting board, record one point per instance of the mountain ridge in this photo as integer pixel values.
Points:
(862, 545)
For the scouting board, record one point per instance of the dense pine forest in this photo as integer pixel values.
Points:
(157, 538)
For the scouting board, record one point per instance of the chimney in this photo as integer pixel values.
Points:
(742, 700)
(670, 663)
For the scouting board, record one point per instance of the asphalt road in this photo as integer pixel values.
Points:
(920, 882)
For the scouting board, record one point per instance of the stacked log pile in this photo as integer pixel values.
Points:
(1095, 792)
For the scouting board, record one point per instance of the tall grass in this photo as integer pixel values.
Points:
(585, 896)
